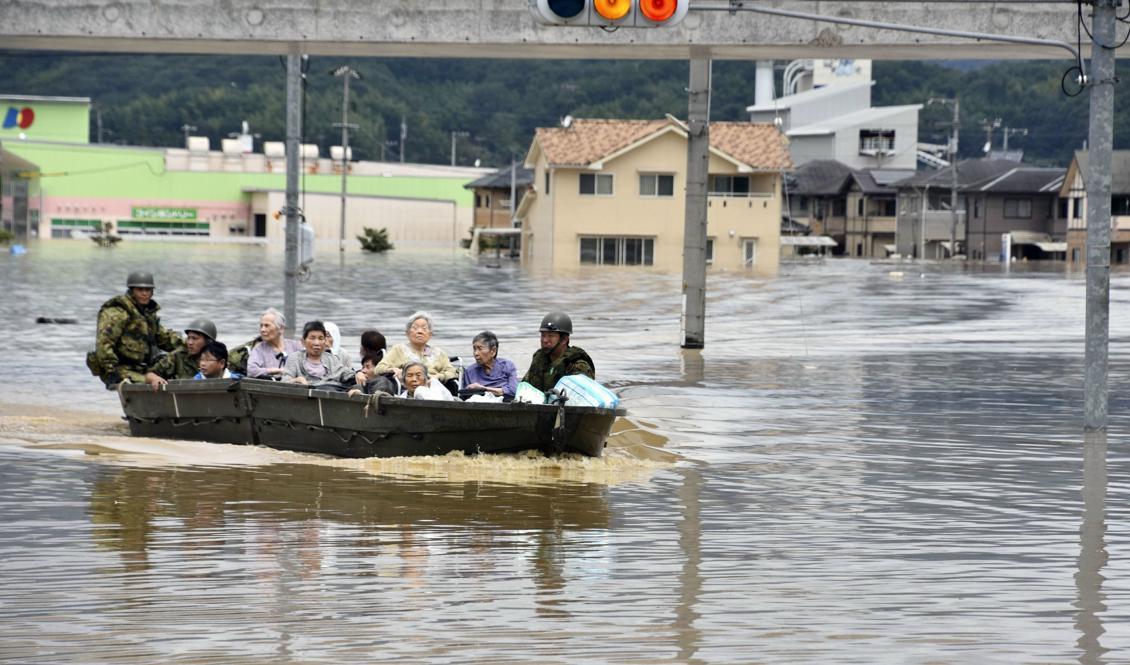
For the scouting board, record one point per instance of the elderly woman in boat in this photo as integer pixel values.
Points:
(491, 374)
(314, 365)
(419, 331)
(268, 357)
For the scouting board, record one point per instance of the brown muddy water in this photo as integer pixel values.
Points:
(868, 463)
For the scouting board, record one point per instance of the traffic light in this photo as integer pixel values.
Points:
(610, 13)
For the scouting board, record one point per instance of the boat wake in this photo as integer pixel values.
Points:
(633, 454)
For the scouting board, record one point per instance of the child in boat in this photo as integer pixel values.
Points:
(214, 362)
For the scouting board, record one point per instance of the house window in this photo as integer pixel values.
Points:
(547, 183)
(596, 184)
(874, 141)
(884, 207)
(977, 208)
(478, 201)
(1018, 208)
(728, 185)
(859, 208)
(839, 207)
(617, 251)
(710, 250)
(656, 184)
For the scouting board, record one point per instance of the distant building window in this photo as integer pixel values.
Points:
(1018, 208)
(486, 201)
(657, 184)
(875, 141)
(596, 184)
(710, 250)
(728, 185)
(547, 182)
(617, 251)
(802, 204)
(1119, 205)
(884, 207)
(977, 208)
(478, 201)
(839, 207)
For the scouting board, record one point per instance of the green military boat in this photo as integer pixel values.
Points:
(292, 417)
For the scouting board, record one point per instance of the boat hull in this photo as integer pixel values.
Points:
(290, 417)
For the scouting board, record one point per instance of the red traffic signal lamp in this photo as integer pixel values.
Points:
(610, 13)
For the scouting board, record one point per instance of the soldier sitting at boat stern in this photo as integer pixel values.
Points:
(183, 363)
(214, 363)
(130, 337)
(556, 358)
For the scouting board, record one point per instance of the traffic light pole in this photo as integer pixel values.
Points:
(1100, 138)
(293, 134)
(694, 226)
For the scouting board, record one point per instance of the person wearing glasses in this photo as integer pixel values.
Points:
(268, 357)
(419, 332)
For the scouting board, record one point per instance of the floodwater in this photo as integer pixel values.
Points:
(868, 463)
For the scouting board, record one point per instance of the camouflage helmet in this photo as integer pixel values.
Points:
(558, 322)
(202, 326)
(140, 279)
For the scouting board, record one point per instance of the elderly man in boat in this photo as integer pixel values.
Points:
(183, 363)
(556, 358)
(130, 335)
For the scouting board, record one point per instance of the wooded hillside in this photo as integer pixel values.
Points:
(145, 99)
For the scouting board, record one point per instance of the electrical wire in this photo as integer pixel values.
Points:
(1079, 9)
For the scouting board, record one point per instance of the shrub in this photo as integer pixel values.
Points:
(6, 236)
(375, 240)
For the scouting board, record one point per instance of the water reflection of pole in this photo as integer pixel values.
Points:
(690, 581)
(1089, 597)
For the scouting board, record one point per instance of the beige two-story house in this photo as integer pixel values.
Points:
(612, 192)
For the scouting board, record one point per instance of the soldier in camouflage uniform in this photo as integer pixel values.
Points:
(130, 334)
(183, 363)
(556, 358)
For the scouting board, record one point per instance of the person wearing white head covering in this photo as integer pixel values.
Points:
(333, 335)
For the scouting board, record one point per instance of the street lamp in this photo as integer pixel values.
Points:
(345, 73)
(454, 135)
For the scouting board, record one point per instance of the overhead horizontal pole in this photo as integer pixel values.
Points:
(506, 29)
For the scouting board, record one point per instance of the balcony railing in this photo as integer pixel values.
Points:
(938, 223)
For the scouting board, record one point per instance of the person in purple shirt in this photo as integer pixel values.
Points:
(268, 357)
(492, 374)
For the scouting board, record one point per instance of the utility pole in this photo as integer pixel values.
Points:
(293, 138)
(345, 73)
(454, 136)
(98, 118)
(989, 126)
(1021, 131)
(187, 129)
(1100, 138)
(953, 175)
(694, 225)
(403, 137)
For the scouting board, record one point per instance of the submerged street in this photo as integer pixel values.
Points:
(869, 462)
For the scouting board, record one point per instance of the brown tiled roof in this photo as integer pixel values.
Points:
(759, 145)
(586, 141)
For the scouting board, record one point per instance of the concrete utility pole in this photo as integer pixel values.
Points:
(694, 226)
(345, 73)
(293, 138)
(1022, 131)
(1100, 138)
(953, 175)
(454, 136)
(403, 137)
